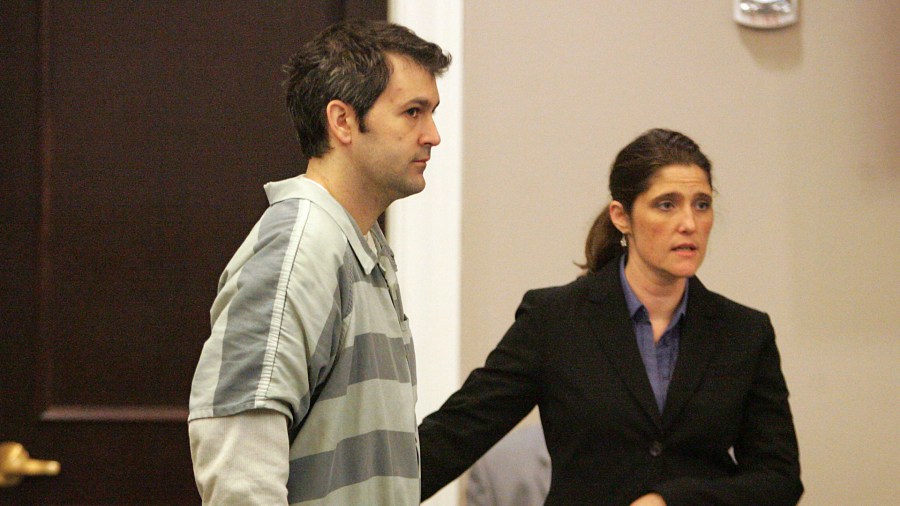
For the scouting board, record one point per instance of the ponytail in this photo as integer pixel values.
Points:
(602, 243)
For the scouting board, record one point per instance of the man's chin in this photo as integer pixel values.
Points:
(415, 186)
(408, 190)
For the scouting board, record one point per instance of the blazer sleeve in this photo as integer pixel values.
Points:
(493, 399)
(766, 449)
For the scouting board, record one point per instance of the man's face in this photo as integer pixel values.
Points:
(391, 155)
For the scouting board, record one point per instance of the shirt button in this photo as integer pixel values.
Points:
(656, 449)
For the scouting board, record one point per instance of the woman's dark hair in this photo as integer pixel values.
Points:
(631, 174)
(348, 62)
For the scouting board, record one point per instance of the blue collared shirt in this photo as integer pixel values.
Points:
(659, 358)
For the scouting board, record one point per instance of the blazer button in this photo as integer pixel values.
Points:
(656, 449)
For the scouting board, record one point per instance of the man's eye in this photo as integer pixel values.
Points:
(704, 205)
(414, 112)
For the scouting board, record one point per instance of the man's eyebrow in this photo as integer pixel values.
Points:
(424, 103)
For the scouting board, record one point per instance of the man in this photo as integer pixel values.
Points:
(305, 390)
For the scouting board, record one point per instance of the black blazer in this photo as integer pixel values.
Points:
(573, 353)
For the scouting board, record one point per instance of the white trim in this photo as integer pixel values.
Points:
(425, 230)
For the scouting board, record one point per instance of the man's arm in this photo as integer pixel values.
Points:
(240, 457)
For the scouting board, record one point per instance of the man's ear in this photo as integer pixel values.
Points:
(341, 121)
(619, 217)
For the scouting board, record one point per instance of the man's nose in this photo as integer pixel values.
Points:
(431, 136)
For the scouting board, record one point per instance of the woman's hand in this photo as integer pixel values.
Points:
(650, 500)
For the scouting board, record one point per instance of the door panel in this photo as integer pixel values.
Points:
(136, 136)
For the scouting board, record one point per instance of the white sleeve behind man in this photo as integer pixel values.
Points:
(515, 472)
(241, 459)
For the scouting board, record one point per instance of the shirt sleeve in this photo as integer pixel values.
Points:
(228, 470)
(276, 323)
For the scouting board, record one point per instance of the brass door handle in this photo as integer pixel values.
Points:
(15, 463)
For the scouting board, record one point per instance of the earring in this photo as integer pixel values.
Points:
(624, 241)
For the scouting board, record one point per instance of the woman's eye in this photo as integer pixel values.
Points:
(665, 206)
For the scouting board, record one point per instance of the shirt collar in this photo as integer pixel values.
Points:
(634, 304)
(301, 187)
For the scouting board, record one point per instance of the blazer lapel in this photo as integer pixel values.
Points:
(611, 324)
(696, 347)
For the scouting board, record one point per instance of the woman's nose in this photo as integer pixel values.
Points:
(688, 221)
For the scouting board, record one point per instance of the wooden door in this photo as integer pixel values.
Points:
(136, 137)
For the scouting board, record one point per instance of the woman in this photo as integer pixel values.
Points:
(651, 389)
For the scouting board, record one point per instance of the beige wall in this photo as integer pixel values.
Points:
(802, 127)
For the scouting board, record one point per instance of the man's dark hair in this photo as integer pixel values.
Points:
(348, 62)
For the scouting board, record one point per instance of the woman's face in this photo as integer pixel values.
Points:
(669, 225)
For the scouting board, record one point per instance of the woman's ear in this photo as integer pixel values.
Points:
(619, 217)
(341, 119)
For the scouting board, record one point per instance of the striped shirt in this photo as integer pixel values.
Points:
(308, 322)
